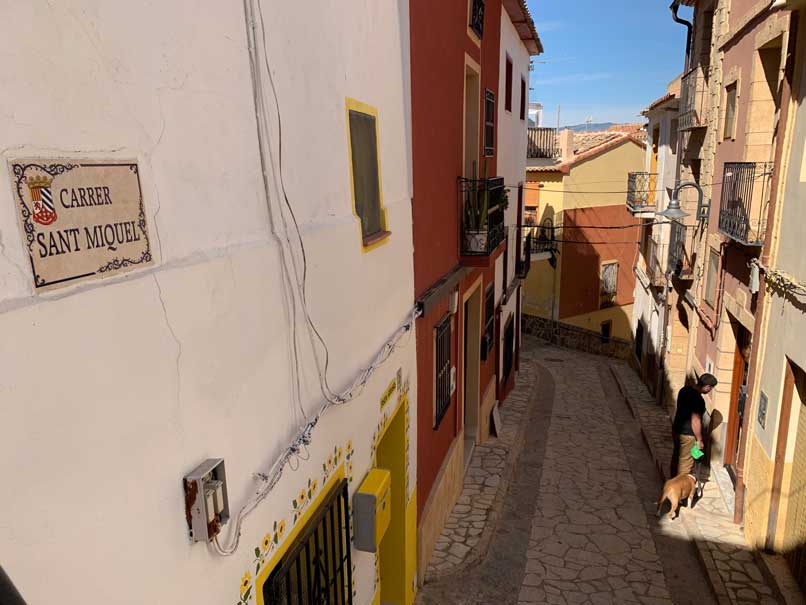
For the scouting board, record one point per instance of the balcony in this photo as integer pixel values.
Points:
(744, 200)
(544, 238)
(655, 259)
(481, 205)
(682, 255)
(694, 99)
(523, 263)
(641, 192)
(542, 144)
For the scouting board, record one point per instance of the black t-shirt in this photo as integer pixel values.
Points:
(689, 401)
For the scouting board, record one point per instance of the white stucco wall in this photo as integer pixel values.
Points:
(512, 143)
(146, 376)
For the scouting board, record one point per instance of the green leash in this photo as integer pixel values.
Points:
(696, 452)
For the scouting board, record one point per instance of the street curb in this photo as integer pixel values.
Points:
(773, 566)
(703, 552)
(480, 550)
(664, 472)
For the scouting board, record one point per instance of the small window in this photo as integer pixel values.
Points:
(713, 275)
(523, 99)
(489, 122)
(608, 285)
(366, 175)
(489, 320)
(508, 84)
(442, 392)
(730, 111)
(477, 17)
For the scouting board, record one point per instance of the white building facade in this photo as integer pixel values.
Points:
(654, 187)
(513, 115)
(113, 389)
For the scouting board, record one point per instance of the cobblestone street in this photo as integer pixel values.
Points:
(577, 519)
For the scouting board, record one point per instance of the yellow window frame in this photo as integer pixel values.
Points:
(370, 244)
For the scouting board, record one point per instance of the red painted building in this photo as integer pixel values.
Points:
(462, 226)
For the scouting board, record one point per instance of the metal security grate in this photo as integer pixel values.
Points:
(318, 569)
(443, 369)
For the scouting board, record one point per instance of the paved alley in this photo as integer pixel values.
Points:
(577, 522)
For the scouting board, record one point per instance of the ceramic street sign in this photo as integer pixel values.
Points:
(81, 220)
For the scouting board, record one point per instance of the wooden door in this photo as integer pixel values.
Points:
(738, 395)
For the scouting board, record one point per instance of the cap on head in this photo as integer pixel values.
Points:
(707, 380)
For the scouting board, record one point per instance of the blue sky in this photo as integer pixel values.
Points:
(604, 60)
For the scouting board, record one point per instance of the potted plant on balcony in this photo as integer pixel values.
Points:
(476, 207)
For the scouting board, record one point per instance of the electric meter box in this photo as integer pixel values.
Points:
(372, 510)
(206, 503)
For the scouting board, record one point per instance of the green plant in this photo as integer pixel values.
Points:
(477, 201)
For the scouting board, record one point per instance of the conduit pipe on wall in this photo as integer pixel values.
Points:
(689, 27)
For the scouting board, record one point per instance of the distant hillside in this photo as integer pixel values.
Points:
(594, 127)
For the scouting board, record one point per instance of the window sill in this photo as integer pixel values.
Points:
(376, 238)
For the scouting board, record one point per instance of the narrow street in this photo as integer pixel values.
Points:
(578, 523)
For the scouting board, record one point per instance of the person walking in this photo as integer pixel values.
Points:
(687, 428)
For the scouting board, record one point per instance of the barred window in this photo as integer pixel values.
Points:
(608, 285)
(489, 122)
(477, 17)
(489, 320)
(318, 568)
(442, 388)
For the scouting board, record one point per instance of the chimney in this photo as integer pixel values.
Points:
(566, 144)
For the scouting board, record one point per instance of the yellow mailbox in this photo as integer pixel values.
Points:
(372, 510)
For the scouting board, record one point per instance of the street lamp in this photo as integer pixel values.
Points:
(674, 211)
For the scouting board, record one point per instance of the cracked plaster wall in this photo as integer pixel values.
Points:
(112, 391)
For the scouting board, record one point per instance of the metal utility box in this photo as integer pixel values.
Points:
(206, 502)
(372, 510)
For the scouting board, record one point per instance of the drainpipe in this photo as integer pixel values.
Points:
(689, 26)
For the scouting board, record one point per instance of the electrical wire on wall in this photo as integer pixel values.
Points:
(294, 280)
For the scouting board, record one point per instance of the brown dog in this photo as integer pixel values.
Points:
(675, 490)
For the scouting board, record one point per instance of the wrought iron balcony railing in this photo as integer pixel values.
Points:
(744, 200)
(694, 99)
(682, 255)
(656, 263)
(481, 207)
(641, 191)
(544, 237)
(523, 262)
(542, 143)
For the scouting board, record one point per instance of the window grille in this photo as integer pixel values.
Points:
(608, 285)
(489, 321)
(443, 370)
(318, 568)
(477, 17)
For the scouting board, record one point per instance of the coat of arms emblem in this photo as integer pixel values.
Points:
(44, 211)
